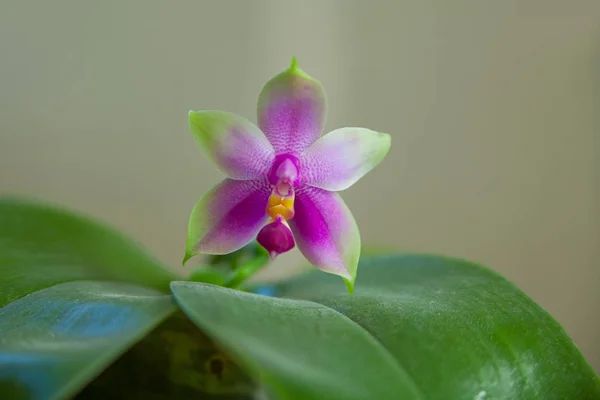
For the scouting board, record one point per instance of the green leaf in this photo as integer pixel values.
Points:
(459, 330)
(41, 246)
(301, 350)
(60, 325)
(56, 340)
(417, 327)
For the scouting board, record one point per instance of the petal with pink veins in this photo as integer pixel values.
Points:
(340, 158)
(326, 232)
(235, 145)
(227, 217)
(292, 110)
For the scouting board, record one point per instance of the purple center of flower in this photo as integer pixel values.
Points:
(276, 236)
(284, 169)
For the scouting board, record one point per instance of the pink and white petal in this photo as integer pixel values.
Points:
(340, 158)
(292, 110)
(227, 217)
(235, 145)
(326, 232)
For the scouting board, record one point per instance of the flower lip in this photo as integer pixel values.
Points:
(276, 237)
(284, 169)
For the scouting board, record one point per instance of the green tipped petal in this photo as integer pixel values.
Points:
(235, 145)
(293, 64)
(349, 284)
(326, 233)
(292, 109)
(340, 158)
(227, 217)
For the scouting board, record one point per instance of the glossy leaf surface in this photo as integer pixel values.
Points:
(41, 246)
(459, 330)
(417, 327)
(56, 340)
(68, 307)
(300, 349)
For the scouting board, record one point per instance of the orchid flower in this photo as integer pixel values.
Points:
(283, 177)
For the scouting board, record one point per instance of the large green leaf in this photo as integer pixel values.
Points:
(54, 341)
(60, 325)
(417, 327)
(301, 350)
(41, 246)
(459, 330)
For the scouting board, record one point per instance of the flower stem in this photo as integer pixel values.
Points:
(233, 270)
(246, 270)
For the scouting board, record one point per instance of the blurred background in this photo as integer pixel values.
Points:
(494, 109)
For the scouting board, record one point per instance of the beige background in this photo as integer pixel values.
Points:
(494, 108)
